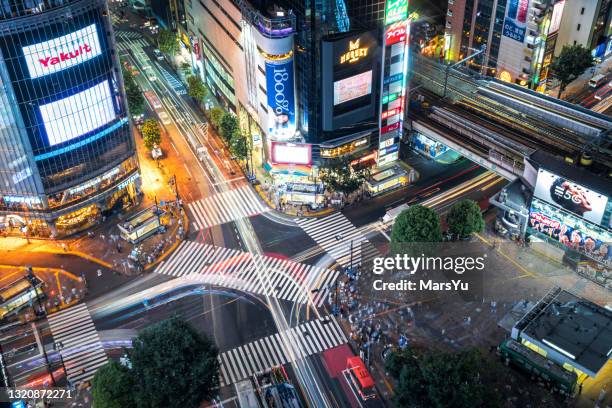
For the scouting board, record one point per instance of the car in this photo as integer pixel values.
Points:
(150, 73)
(158, 54)
(165, 119)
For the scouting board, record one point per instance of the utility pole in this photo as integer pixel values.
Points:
(449, 67)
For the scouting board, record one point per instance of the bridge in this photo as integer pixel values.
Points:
(497, 125)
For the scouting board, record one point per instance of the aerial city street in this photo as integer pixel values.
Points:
(296, 203)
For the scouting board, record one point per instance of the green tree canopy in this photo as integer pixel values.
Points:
(216, 114)
(196, 88)
(173, 366)
(167, 42)
(239, 145)
(571, 63)
(464, 218)
(338, 174)
(113, 386)
(151, 133)
(416, 224)
(441, 380)
(135, 100)
(228, 126)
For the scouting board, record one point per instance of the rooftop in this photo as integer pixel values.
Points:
(574, 327)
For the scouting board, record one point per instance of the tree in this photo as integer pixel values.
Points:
(228, 126)
(416, 224)
(167, 42)
(216, 114)
(135, 100)
(112, 386)
(173, 366)
(464, 218)
(151, 133)
(339, 175)
(571, 63)
(442, 380)
(196, 88)
(239, 145)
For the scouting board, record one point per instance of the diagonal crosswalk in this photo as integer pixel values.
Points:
(335, 234)
(306, 339)
(80, 347)
(259, 274)
(225, 207)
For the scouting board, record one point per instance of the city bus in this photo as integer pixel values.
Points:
(597, 80)
(19, 294)
(360, 378)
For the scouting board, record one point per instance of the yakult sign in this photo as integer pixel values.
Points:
(281, 105)
(62, 52)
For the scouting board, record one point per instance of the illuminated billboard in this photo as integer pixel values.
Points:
(78, 114)
(291, 153)
(395, 10)
(281, 99)
(573, 197)
(62, 52)
(515, 22)
(570, 231)
(352, 87)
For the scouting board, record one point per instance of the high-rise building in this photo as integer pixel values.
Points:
(67, 153)
(523, 36)
(306, 72)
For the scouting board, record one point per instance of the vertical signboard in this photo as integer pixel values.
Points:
(515, 22)
(393, 83)
(281, 100)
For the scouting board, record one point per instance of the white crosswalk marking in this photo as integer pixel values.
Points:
(80, 348)
(173, 81)
(335, 234)
(259, 274)
(225, 207)
(306, 339)
(128, 35)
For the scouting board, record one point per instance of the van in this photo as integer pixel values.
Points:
(597, 80)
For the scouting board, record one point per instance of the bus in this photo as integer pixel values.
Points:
(513, 352)
(19, 294)
(153, 100)
(597, 80)
(360, 378)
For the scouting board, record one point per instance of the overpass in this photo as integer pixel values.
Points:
(497, 124)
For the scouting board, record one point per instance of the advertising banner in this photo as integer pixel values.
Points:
(291, 153)
(515, 23)
(62, 52)
(395, 10)
(570, 196)
(281, 100)
(78, 114)
(352, 87)
(570, 231)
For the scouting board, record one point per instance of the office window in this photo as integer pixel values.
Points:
(578, 28)
(582, 11)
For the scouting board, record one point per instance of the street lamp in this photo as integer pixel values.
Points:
(449, 67)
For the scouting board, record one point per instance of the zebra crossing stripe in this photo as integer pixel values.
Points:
(259, 274)
(335, 234)
(302, 341)
(225, 207)
(81, 349)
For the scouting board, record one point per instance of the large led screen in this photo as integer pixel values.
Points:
(62, 52)
(291, 153)
(352, 87)
(573, 197)
(78, 114)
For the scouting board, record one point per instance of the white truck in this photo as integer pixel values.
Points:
(391, 214)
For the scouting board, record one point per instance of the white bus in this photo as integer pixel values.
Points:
(597, 80)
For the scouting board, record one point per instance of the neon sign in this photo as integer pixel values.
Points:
(355, 52)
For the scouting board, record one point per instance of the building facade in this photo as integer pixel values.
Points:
(523, 36)
(66, 147)
(306, 74)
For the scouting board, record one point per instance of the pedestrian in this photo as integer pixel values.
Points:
(99, 271)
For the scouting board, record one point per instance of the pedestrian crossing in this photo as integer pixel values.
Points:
(177, 85)
(244, 271)
(77, 341)
(335, 234)
(130, 35)
(129, 46)
(224, 207)
(304, 340)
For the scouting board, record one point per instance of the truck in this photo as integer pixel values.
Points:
(392, 214)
